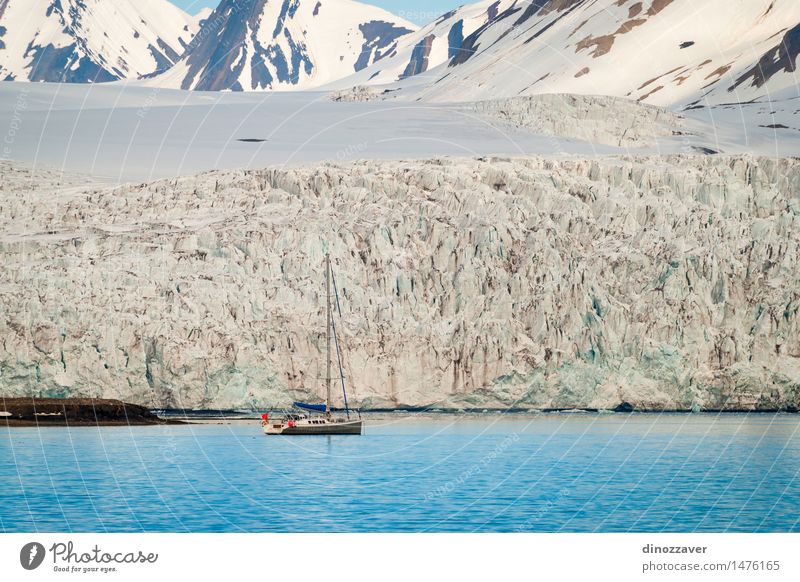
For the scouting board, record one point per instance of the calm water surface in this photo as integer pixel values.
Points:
(436, 473)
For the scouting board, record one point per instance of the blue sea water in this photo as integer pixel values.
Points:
(539, 473)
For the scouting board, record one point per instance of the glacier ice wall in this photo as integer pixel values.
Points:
(596, 119)
(664, 282)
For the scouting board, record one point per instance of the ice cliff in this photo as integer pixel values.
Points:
(593, 118)
(669, 282)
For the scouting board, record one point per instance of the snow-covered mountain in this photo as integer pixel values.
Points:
(284, 44)
(90, 40)
(662, 52)
(431, 45)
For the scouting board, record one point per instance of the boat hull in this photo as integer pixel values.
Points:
(345, 427)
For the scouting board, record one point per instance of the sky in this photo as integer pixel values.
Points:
(417, 11)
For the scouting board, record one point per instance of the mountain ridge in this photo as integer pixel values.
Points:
(88, 41)
(673, 53)
(292, 44)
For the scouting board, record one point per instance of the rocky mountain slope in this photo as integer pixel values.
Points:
(430, 46)
(79, 41)
(663, 52)
(662, 282)
(675, 53)
(287, 44)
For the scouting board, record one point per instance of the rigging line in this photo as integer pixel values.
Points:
(336, 343)
(336, 293)
(341, 372)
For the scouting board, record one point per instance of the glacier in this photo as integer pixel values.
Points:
(119, 132)
(657, 282)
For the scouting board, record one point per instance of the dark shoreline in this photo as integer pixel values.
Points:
(479, 410)
(97, 412)
(76, 412)
(221, 413)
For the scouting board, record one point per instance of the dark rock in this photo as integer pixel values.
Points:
(380, 40)
(419, 57)
(781, 57)
(75, 412)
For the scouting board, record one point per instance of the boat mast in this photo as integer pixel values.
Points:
(336, 342)
(328, 335)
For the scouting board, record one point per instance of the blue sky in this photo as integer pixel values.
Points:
(419, 11)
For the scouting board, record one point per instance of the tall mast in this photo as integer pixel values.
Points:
(328, 334)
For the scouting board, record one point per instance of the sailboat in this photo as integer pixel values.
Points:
(319, 418)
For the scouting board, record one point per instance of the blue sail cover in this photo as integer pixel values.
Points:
(310, 407)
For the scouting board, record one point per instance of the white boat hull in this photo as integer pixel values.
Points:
(309, 428)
